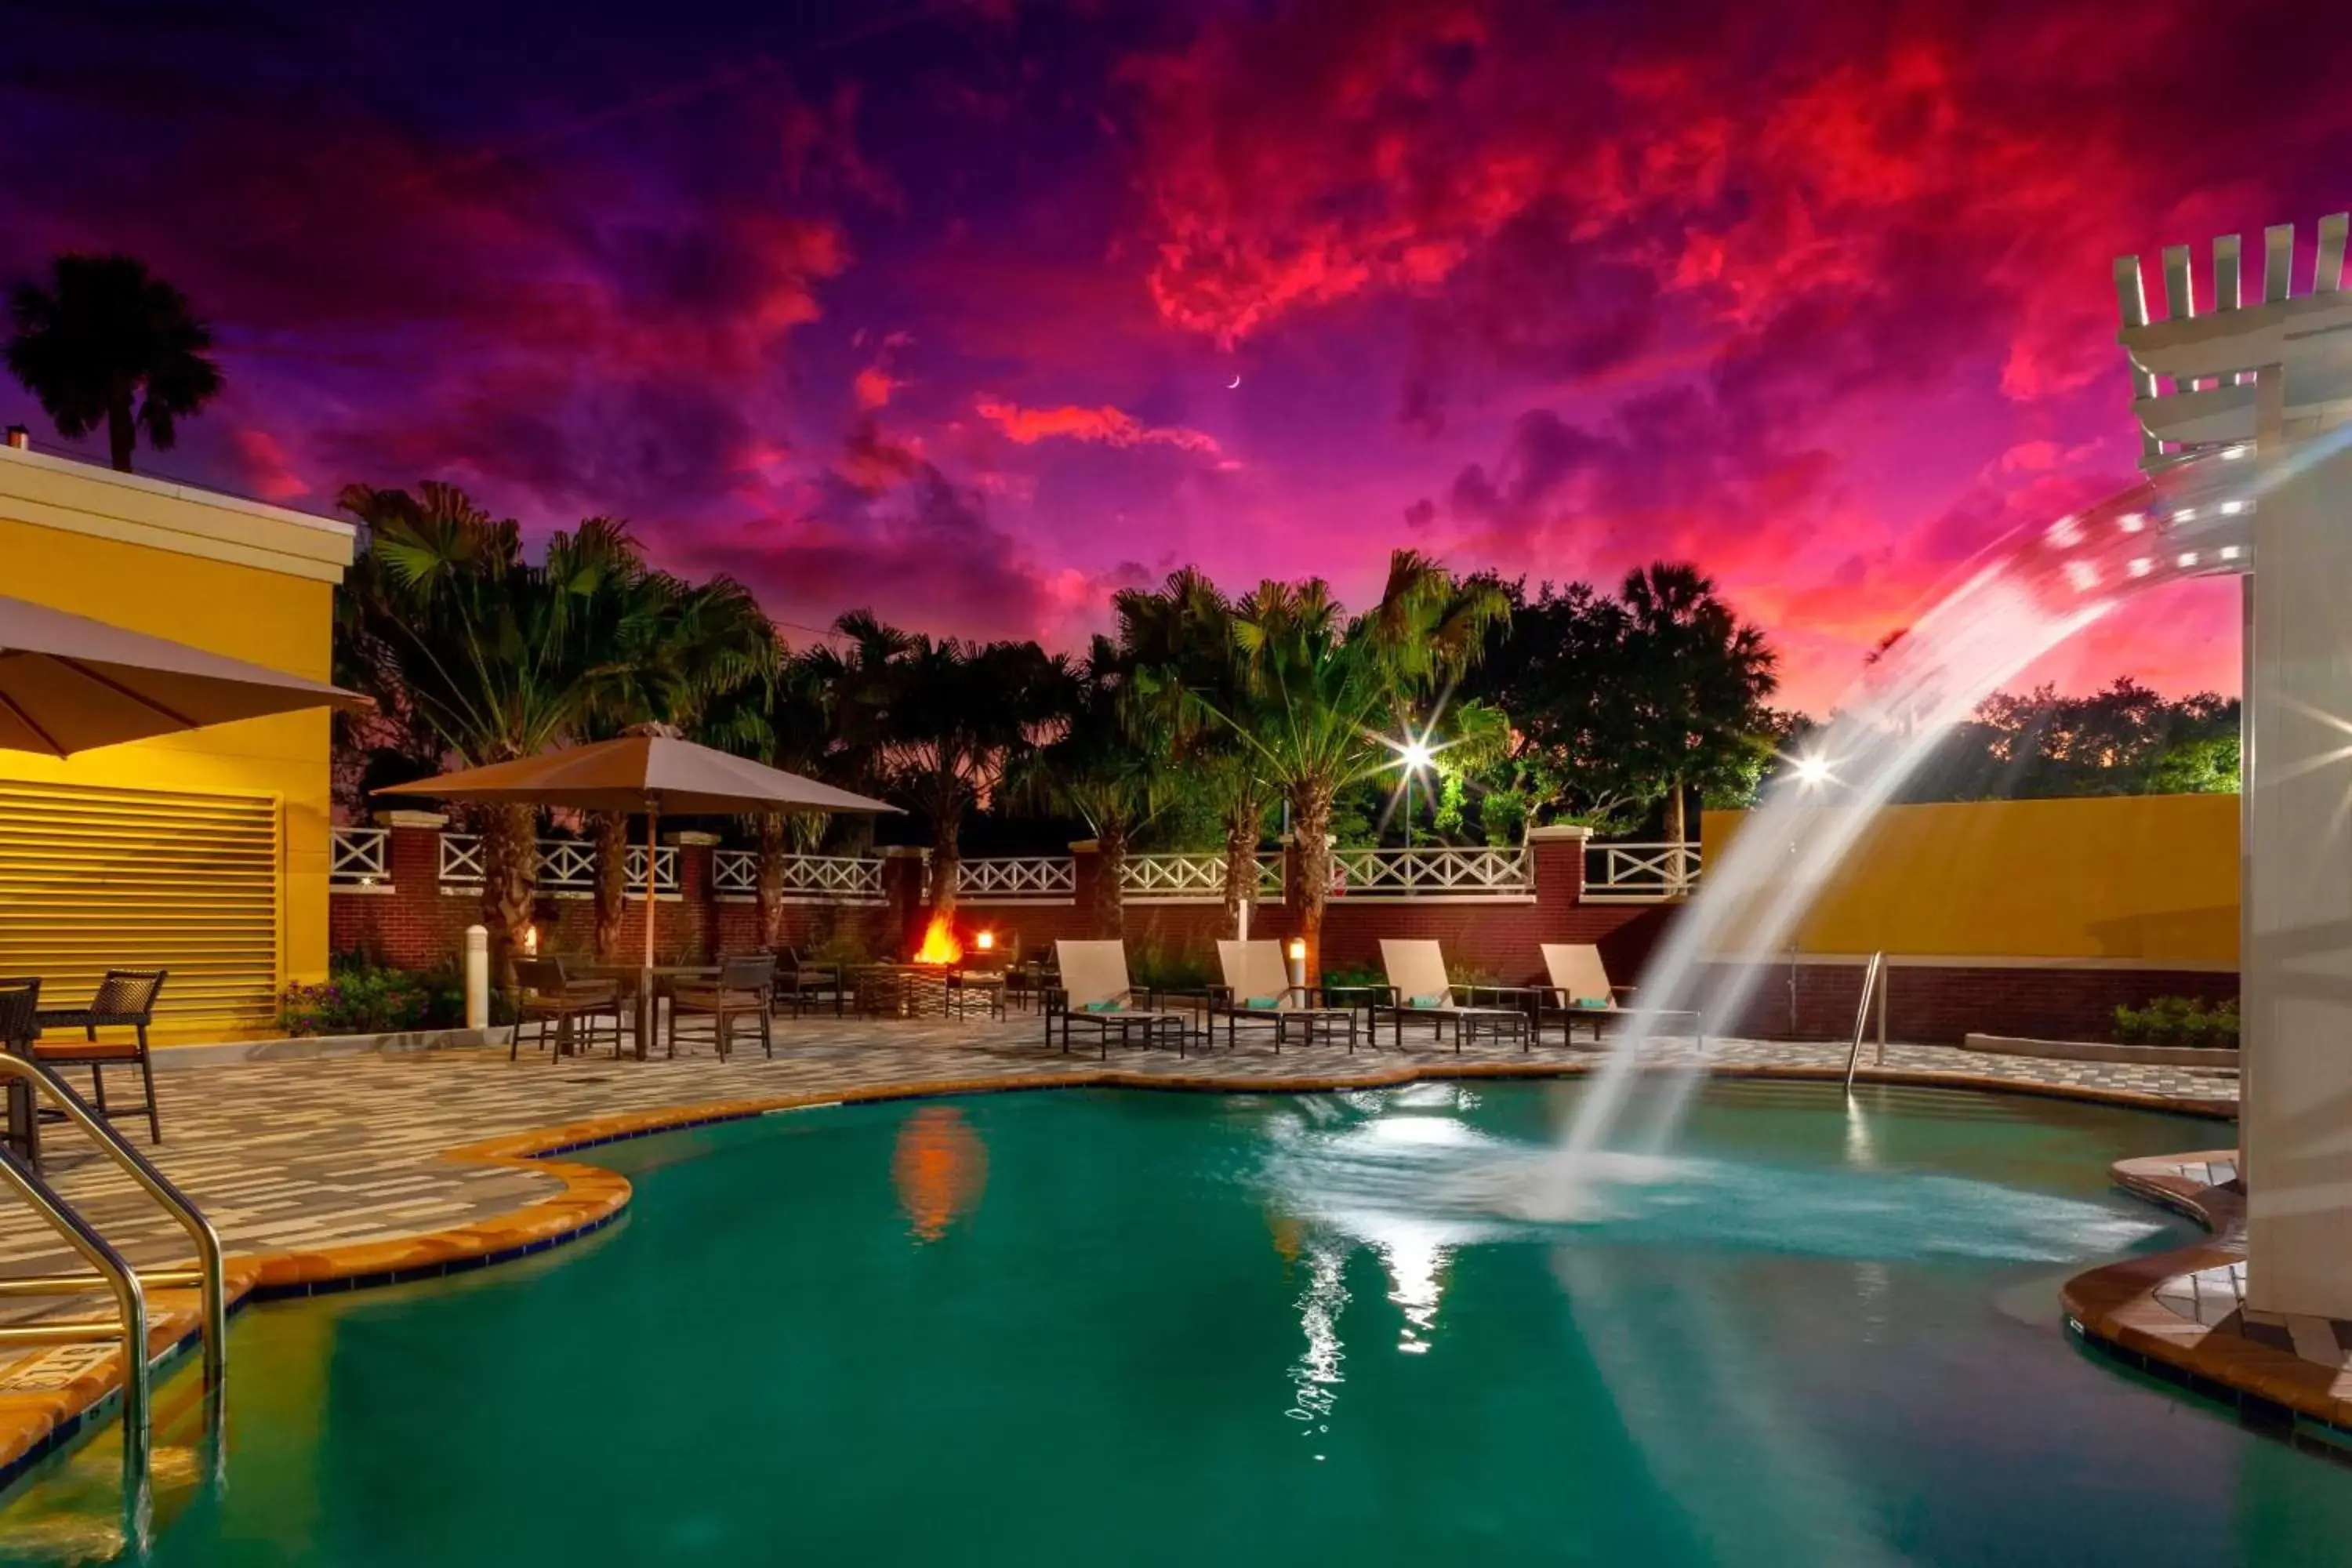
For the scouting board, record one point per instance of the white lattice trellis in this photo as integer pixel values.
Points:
(1640, 873)
(1169, 878)
(1424, 872)
(358, 858)
(1016, 877)
(850, 878)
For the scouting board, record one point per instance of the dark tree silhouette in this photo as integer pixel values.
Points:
(108, 343)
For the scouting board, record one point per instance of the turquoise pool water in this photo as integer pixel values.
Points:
(1150, 1327)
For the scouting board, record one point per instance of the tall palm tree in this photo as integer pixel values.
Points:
(1325, 691)
(786, 721)
(678, 652)
(954, 718)
(1695, 680)
(1180, 639)
(108, 343)
(1112, 766)
(445, 621)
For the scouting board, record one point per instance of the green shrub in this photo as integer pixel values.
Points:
(1354, 974)
(1158, 966)
(2178, 1021)
(360, 996)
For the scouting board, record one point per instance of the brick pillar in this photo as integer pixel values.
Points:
(408, 931)
(694, 915)
(1558, 854)
(903, 895)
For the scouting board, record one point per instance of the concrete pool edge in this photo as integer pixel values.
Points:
(2116, 1307)
(35, 1425)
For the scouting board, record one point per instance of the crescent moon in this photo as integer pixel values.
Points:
(1232, 384)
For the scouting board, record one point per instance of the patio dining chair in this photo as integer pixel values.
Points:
(549, 994)
(125, 999)
(802, 980)
(742, 990)
(20, 996)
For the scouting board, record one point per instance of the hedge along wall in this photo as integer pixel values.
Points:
(2035, 917)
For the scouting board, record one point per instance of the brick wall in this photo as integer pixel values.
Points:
(1934, 1003)
(418, 925)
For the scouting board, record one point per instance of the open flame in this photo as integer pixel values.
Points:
(940, 943)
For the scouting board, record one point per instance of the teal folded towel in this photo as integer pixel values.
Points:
(1594, 1004)
(1101, 1006)
(1436, 1001)
(1263, 1004)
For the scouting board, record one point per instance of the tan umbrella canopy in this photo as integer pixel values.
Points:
(652, 773)
(70, 684)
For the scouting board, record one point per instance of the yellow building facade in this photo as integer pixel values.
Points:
(204, 853)
(2121, 882)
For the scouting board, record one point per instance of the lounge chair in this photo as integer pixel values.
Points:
(1257, 991)
(1094, 992)
(125, 999)
(742, 989)
(1580, 993)
(1418, 990)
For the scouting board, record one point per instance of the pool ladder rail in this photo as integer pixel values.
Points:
(128, 1326)
(1874, 988)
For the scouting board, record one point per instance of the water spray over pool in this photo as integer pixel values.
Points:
(2015, 602)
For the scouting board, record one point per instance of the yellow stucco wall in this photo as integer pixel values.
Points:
(262, 590)
(2147, 879)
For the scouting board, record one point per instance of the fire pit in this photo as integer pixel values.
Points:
(933, 981)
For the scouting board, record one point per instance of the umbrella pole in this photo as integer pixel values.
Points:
(648, 1005)
(653, 815)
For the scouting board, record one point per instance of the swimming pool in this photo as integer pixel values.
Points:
(1125, 1327)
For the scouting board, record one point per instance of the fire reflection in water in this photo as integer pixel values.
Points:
(940, 1166)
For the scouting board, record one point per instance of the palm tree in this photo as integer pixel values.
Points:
(446, 622)
(1323, 691)
(1112, 766)
(1695, 680)
(786, 721)
(677, 653)
(1180, 639)
(108, 343)
(950, 720)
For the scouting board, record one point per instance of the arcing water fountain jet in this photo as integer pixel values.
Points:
(2246, 419)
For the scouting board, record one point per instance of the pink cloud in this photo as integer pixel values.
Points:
(1107, 425)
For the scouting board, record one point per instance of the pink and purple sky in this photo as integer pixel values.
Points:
(937, 306)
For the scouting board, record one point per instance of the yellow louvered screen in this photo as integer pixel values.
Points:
(95, 879)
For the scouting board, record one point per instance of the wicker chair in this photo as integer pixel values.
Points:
(125, 999)
(741, 991)
(548, 995)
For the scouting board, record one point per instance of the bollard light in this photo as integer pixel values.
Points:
(985, 941)
(478, 978)
(530, 942)
(1298, 952)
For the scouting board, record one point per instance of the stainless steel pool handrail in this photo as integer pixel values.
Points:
(1873, 986)
(128, 1285)
(130, 1328)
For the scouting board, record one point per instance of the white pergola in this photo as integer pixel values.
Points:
(2267, 387)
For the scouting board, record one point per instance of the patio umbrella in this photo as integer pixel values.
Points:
(70, 684)
(648, 772)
